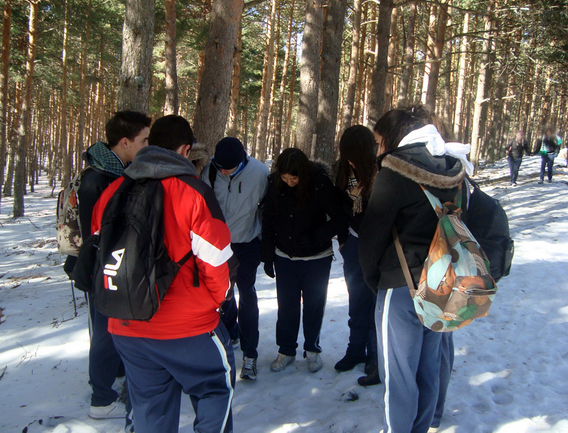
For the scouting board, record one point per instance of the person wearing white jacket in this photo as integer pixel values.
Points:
(240, 182)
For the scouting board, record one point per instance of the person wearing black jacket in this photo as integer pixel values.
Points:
(302, 212)
(549, 149)
(355, 174)
(127, 132)
(515, 150)
(412, 153)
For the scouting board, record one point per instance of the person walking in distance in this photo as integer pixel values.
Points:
(549, 149)
(239, 182)
(515, 150)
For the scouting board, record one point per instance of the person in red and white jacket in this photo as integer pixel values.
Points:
(184, 347)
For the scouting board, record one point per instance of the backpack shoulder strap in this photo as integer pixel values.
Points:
(212, 175)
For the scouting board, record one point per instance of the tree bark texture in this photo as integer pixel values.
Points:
(82, 96)
(480, 99)
(24, 127)
(348, 106)
(309, 76)
(440, 36)
(137, 47)
(171, 102)
(329, 86)
(212, 105)
(458, 113)
(4, 68)
(232, 128)
(408, 62)
(377, 100)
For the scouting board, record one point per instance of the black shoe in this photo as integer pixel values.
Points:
(370, 379)
(370, 364)
(348, 362)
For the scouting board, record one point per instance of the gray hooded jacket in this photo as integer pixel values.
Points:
(153, 162)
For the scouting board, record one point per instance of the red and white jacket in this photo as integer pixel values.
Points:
(193, 221)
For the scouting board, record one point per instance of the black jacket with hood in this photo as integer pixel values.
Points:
(397, 199)
(303, 230)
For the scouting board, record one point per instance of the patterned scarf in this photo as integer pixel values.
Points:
(354, 192)
(101, 157)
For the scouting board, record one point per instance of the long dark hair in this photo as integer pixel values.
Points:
(357, 144)
(396, 124)
(294, 162)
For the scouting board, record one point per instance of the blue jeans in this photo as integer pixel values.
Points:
(298, 280)
(514, 166)
(104, 360)
(362, 334)
(546, 163)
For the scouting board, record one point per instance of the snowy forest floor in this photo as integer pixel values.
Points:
(510, 373)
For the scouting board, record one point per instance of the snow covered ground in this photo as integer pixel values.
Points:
(511, 368)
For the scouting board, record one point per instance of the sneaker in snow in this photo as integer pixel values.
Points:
(433, 429)
(540, 182)
(281, 362)
(249, 368)
(113, 410)
(314, 361)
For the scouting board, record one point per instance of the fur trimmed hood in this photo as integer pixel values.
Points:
(417, 164)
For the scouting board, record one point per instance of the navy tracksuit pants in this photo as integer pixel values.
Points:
(104, 360)
(546, 164)
(158, 371)
(297, 281)
(246, 328)
(445, 373)
(362, 334)
(409, 361)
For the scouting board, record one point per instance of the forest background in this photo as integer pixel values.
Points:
(273, 73)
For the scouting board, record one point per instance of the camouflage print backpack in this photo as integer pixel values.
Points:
(67, 225)
(456, 285)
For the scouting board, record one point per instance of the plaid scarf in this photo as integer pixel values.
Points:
(101, 157)
(354, 192)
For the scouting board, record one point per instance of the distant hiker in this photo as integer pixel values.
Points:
(302, 212)
(239, 182)
(355, 174)
(127, 132)
(515, 150)
(183, 347)
(549, 149)
(411, 152)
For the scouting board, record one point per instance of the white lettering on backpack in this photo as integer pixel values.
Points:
(110, 270)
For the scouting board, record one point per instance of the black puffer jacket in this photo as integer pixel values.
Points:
(397, 199)
(302, 230)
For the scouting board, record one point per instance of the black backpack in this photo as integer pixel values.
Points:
(488, 222)
(133, 269)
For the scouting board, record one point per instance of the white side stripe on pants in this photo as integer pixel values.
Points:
(385, 338)
(227, 366)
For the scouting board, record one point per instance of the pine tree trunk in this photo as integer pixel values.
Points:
(212, 105)
(309, 76)
(349, 103)
(267, 80)
(392, 60)
(4, 69)
(438, 52)
(288, 133)
(67, 152)
(359, 96)
(328, 97)
(171, 102)
(25, 124)
(232, 128)
(283, 84)
(458, 114)
(80, 137)
(481, 99)
(380, 67)
(137, 48)
(404, 83)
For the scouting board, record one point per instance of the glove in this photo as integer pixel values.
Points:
(269, 269)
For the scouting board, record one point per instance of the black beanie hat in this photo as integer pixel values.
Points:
(229, 153)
